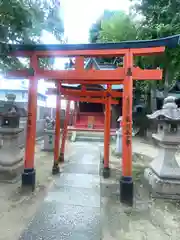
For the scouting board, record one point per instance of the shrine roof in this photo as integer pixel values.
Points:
(171, 41)
(75, 86)
(88, 65)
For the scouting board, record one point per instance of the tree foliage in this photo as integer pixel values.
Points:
(96, 27)
(22, 21)
(118, 27)
(162, 19)
(158, 18)
(113, 26)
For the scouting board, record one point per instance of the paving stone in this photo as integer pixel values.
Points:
(57, 221)
(77, 196)
(78, 180)
(81, 168)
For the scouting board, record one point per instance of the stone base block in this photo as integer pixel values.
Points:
(73, 136)
(29, 179)
(106, 172)
(126, 190)
(162, 187)
(61, 158)
(48, 141)
(47, 149)
(11, 166)
(12, 174)
(55, 168)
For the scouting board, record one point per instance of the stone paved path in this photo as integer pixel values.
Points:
(81, 205)
(71, 209)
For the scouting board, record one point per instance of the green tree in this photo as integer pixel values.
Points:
(96, 27)
(112, 26)
(118, 27)
(22, 21)
(161, 18)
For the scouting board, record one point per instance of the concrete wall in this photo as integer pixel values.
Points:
(40, 125)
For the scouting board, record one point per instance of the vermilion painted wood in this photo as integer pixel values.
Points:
(127, 118)
(107, 127)
(81, 93)
(57, 125)
(89, 76)
(90, 100)
(31, 121)
(65, 127)
(124, 75)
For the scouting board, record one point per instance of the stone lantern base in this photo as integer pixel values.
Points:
(48, 140)
(165, 188)
(163, 174)
(11, 156)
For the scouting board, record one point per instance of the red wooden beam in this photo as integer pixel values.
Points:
(146, 74)
(91, 53)
(81, 93)
(89, 76)
(88, 82)
(90, 100)
(82, 74)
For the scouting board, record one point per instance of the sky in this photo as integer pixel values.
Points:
(78, 16)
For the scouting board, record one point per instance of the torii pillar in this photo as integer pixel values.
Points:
(55, 169)
(107, 130)
(126, 181)
(29, 174)
(65, 131)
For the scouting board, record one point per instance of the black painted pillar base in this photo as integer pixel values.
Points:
(29, 179)
(106, 172)
(126, 190)
(61, 157)
(55, 168)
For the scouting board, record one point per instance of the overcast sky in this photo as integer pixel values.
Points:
(80, 14)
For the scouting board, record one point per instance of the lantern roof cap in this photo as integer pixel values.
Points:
(169, 111)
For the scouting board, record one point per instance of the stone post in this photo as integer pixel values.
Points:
(49, 134)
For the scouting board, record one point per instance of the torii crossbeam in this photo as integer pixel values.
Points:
(124, 75)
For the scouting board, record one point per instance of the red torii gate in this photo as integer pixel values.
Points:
(124, 75)
(104, 97)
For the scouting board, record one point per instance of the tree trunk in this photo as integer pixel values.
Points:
(166, 82)
(153, 97)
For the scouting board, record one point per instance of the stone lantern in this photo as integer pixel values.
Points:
(49, 133)
(11, 156)
(163, 173)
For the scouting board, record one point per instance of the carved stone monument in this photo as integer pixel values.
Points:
(163, 173)
(49, 133)
(119, 133)
(118, 149)
(11, 156)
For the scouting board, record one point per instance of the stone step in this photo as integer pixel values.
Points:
(90, 138)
